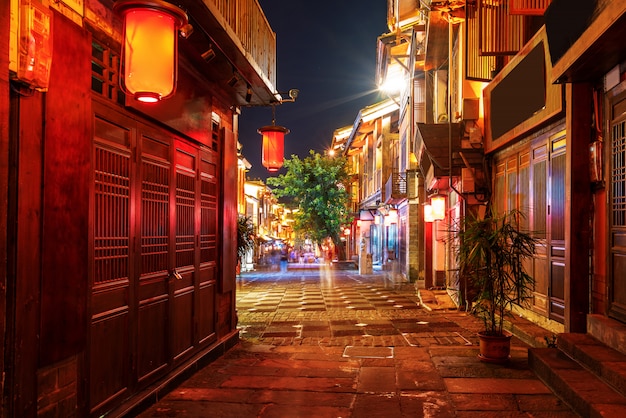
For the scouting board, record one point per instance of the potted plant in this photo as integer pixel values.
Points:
(491, 255)
(245, 239)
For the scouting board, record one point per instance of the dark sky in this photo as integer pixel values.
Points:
(327, 50)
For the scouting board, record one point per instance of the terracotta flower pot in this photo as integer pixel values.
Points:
(495, 348)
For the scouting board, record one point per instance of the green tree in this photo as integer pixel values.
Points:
(316, 185)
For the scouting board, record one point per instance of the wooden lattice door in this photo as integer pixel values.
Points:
(154, 246)
(617, 207)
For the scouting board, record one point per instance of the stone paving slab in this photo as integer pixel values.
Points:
(373, 360)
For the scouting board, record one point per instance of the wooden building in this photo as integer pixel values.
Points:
(116, 217)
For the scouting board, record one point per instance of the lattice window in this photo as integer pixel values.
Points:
(478, 67)
(208, 223)
(557, 199)
(104, 72)
(111, 230)
(154, 216)
(528, 7)
(500, 33)
(618, 174)
(185, 208)
(540, 199)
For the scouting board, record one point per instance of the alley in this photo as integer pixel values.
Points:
(328, 343)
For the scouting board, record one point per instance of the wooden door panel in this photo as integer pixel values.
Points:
(109, 358)
(152, 341)
(557, 227)
(618, 267)
(110, 363)
(182, 323)
(541, 274)
(206, 306)
(557, 290)
(153, 257)
(617, 260)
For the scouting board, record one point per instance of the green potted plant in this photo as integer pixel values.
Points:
(245, 238)
(491, 255)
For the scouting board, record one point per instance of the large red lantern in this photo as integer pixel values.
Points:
(149, 48)
(273, 146)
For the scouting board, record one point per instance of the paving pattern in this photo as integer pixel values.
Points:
(339, 308)
(317, 344)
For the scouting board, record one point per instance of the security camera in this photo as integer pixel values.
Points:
(293, 93)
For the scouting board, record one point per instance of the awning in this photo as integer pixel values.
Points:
(433, 147)
(367, 214)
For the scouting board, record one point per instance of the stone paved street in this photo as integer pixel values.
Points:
(329, 343)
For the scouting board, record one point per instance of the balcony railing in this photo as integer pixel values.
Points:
(248, 22)
(528, 7)
(395, 187)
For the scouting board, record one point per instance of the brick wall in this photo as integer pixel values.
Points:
(57, 389)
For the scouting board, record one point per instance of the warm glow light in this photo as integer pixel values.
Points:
(273, 146)
(346, 231)
(149, 48)
(395, 80)
(438, 204)
(391, 217)
(428, 213)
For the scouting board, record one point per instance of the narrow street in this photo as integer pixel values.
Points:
(333, 343)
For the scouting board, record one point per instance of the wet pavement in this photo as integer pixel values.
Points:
(333, 343)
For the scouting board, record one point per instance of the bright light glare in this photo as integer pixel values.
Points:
(393, 85)
(395, 81)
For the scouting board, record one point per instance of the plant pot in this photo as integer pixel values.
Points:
(495, 348)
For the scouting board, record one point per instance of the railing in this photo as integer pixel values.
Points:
(248, 22)
(501, 33)
(528, 7)
(395, 187)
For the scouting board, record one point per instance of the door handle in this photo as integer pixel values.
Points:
(176, 275)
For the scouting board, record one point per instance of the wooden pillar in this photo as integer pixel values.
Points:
(4, 179)
(579, 101)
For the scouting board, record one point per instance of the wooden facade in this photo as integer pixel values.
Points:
(120, 270)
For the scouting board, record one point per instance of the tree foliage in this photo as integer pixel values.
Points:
(316, 184)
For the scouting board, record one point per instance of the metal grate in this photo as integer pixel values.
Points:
(111, 231)
(618, 174)
(154, 216)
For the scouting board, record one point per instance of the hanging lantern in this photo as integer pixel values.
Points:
(149, 49)
(438, 204)
(273, 146)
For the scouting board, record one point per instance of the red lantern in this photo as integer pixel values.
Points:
(273, 146)
(149, 48)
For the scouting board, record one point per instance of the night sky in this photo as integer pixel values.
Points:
(327, 50)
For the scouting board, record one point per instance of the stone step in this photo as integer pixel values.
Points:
(603, 361)
(582, 390)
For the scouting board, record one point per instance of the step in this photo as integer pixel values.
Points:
(603, 361)
(582, 390)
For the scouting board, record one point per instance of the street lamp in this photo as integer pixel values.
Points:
(148, 69)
